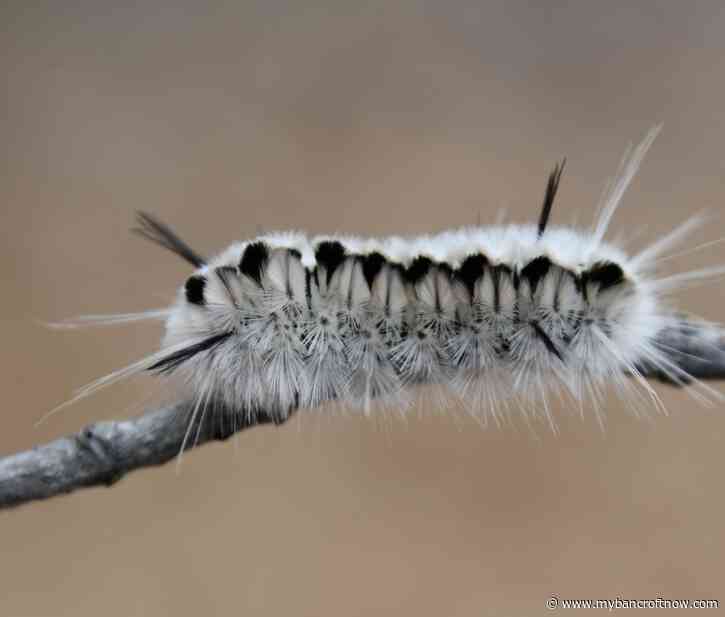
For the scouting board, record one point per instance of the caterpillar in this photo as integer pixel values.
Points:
(489, 314)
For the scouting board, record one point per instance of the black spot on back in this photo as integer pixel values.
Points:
(535, 270)
(606, 273)
(253, 261)
(471, 270)
(418, 269)
(371, 265)
(329, 254)
(195, 290)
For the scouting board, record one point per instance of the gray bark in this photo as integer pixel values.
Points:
(102, 453)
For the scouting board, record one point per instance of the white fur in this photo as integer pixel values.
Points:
(303, 335)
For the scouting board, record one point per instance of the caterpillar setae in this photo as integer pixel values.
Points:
(490, 314)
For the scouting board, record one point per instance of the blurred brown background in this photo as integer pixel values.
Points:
(366, 118)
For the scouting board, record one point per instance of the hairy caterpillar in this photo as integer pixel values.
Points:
(285, 321)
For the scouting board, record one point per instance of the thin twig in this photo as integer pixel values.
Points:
(102, 453)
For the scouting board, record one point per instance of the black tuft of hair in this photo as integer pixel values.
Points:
(606, 273)
(195, 290)
(371, 265)
(535, 270)
(418, 269)
(171, 362)
(157, 232)
(548, 343)
(329, 254)
(471, 270)
(552, 186)
(253, 261)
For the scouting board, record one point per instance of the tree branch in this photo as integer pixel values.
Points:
(102, 453)
(696, 348)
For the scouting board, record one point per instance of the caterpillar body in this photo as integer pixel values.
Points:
(286, 321)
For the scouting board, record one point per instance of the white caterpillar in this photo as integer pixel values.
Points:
(287, 321)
